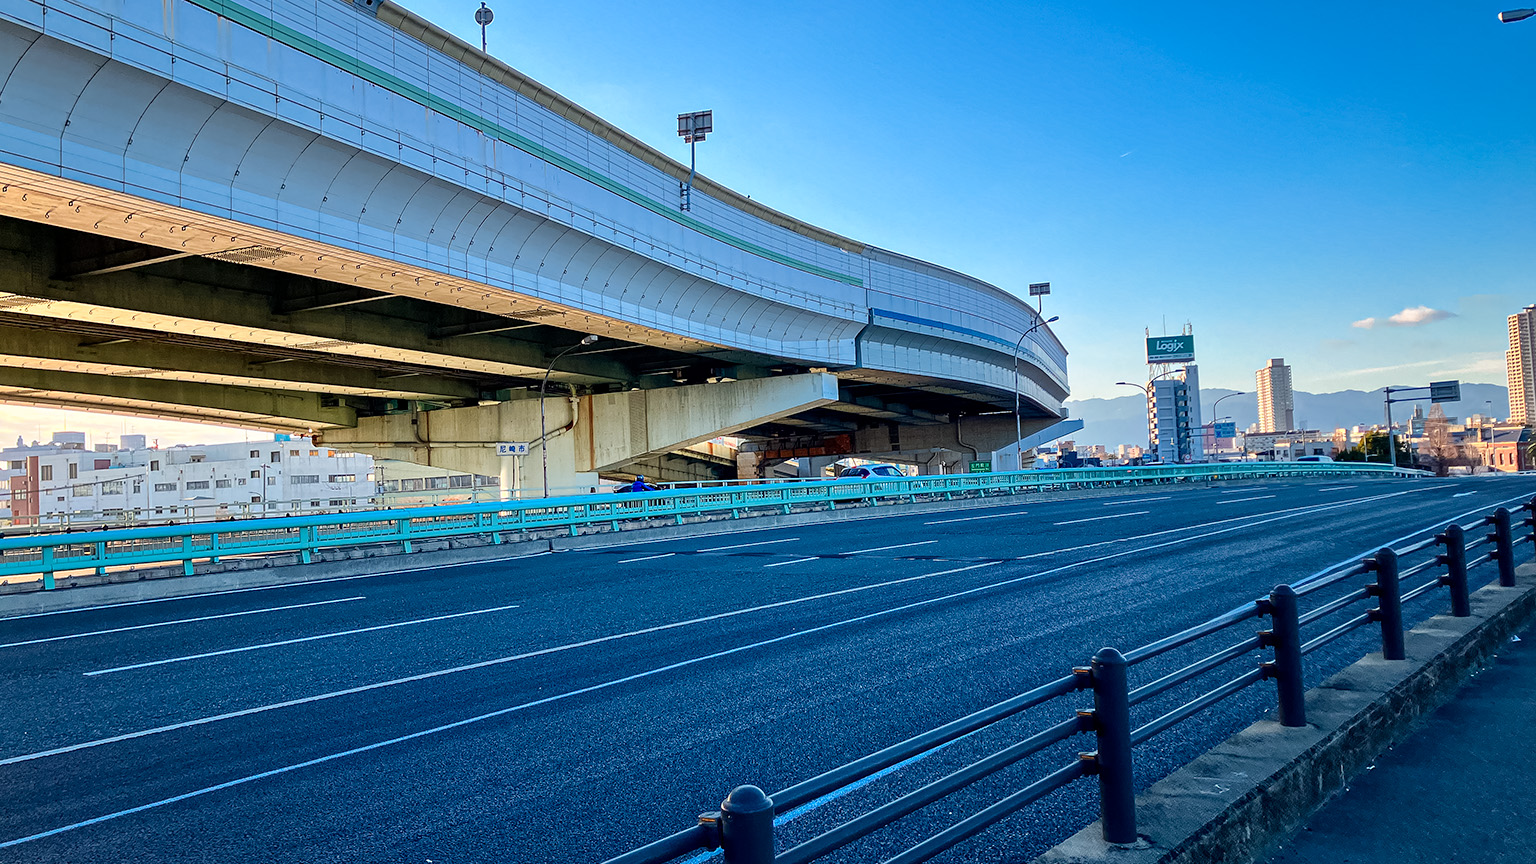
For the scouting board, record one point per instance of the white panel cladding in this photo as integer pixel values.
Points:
(344, 184)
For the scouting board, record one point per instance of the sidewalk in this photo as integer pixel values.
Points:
(1461, 788)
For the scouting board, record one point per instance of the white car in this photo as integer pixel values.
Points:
(871, 472)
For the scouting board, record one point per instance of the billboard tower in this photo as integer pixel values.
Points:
(1173, 398)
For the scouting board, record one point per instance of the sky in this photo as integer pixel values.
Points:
(1351, 187)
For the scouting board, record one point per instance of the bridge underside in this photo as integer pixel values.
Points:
(97, 322)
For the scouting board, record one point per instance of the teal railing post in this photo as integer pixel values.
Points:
(48, 556)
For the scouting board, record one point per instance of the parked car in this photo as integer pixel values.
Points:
(1316, 458)
(871, 472)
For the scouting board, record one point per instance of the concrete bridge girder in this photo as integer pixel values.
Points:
(584, 435)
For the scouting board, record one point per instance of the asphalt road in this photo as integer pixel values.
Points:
(567, 707)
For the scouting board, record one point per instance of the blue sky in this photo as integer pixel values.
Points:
(1272, 174)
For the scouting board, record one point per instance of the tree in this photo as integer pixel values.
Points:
(1373, 448)
(1439, 449)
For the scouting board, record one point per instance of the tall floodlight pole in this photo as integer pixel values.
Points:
(484, 16)
(543, 388)
(1018, 422)
(692, 128)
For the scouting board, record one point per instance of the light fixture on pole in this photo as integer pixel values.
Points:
(484, 16)
(1039, 289)
(692, 128)
(1514, 15)
(1146, 392)
(543, 388)
(1018, 423)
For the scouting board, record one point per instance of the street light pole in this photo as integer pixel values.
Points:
(543, 389)
(1018, 422)
(1213, 414)
(483, 17)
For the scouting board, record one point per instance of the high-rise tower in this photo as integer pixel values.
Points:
(1277, 411)
(1520, 366)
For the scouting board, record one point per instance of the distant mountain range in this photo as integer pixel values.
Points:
(1123, 420)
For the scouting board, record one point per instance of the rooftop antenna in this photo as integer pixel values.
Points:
(484, 16)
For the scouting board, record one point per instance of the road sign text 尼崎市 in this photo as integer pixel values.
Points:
(1171, 349)
(512, 448)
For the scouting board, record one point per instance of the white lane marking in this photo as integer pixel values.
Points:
(1335, 488)
(883, 548)
(298, 640)
(1243, 489)
(1463, 494)
(1108, 516)
(273, 587)
(974, 518)
(457, 723)
(1393, 542)
(795, 561)
(648, 558)
(424, 676)
(1302, 510)
(602, 686)
(1241, 500)
(1135, 501)
(745, 545)
(178, 621)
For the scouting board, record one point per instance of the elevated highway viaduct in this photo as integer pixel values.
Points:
(335, 217)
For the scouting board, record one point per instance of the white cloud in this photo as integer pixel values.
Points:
(1419, 315)
(1410, 317)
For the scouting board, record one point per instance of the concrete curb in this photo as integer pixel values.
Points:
(235, 573)
(1261, 785)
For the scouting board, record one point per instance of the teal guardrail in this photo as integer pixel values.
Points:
(47, 555)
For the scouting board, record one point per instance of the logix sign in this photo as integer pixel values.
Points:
(1170, 349)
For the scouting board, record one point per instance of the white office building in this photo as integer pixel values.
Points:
(1277, 409)
(65, 482)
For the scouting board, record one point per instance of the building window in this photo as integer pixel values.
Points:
(343, 478)
(74, 471)
(337, 502)
(255, 474)
(154, 465)
(271, 481)
(255, 454)
(304, 479)
(293, 452)
(196, 484)
(112, 487)
(18, 464)
(81, 491)
(314, 452)
(137, 487)
(103, 463)
(165, 487)
(197, 457)
(47, 472)
(223, 484)
(277, 456)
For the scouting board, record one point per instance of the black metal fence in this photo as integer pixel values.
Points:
(743, 827)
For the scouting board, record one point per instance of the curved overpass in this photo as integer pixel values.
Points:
(342, 215)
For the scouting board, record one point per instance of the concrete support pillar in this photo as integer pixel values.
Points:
(584, 436)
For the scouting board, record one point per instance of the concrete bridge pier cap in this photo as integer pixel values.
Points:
(584, 435)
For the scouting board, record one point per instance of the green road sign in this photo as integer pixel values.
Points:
(981, 467)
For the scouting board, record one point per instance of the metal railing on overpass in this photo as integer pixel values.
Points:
(744, 827)
(98, 551)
